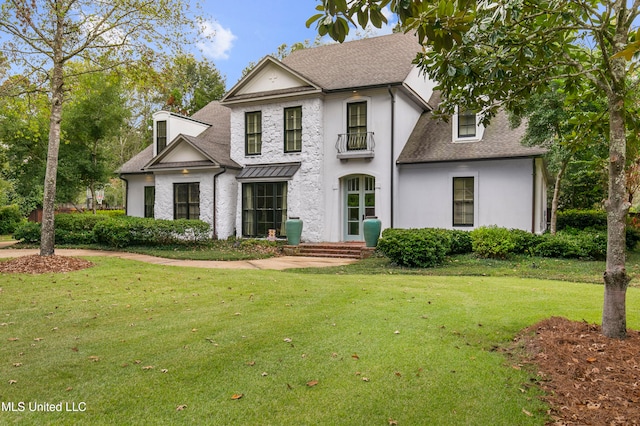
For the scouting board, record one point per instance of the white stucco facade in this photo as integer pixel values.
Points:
(504, 194)
(135, 193)
(306, 186)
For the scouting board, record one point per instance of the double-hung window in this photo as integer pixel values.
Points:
(186, 200)
(149, 200)
(357, 125)
(161, 135)
(467, 124)
(293, 129)
(253, 133)
(463, 199)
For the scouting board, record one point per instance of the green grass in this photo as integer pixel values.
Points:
(427, 346)
(574, 270)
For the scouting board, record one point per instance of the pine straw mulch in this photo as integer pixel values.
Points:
(587, 378)
(36, 264)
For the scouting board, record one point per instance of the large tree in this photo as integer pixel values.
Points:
(489, 54)
(91, 123)
(42, 37)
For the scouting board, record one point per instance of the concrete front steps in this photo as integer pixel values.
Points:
(350, 250)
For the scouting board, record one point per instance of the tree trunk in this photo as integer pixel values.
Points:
(556, 196)
(47, 236)
(616, 280)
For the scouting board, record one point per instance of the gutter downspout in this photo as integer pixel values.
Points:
(392, 160)
(215, 203)
(126, 196)
(533, 200)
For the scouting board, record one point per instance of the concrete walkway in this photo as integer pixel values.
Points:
(276, 263)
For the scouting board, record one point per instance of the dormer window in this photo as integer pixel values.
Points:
(467, 124)
(161, 135)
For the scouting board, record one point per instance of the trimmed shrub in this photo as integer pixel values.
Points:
(493, 242)
(460, 242)
(125, 231)
(423, 248)
(524, 241)
(28, 232)
(10, 218)
(582, 219)
(633, 237)
(76, 228)
(573, 244)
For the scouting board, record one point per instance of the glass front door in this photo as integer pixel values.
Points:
(360, 202)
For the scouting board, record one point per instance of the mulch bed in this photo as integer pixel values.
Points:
(588, 379)
(37, 264)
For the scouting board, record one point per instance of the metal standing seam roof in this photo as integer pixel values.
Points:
(269, 171)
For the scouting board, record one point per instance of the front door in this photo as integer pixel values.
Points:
(360, 202)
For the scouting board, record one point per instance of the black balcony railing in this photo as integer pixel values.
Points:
(355, 145)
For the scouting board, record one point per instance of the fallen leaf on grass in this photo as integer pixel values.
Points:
(181, 407)
(17, 364)
(69, 389)
(527, 413)
(94, 358)
(147, 367)
(13, 339)
(288, 339)
(393, 422)
(236, 396)
(13, 382)
(365, 379)
(38, 339)
(164, 370)
(355, 356)
(312, 383)
(251, 363)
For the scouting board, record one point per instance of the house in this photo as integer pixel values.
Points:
(334, 134)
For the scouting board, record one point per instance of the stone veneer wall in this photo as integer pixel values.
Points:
(164, 194)
(305, 189)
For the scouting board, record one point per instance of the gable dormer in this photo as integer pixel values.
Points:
(466, 126)
(168, 125)
(269, 79)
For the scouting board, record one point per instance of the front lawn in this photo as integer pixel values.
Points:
(143, 344)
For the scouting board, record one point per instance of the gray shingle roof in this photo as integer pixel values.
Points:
(374, 61)
(137, 162)
(213, 143)
(432, 141)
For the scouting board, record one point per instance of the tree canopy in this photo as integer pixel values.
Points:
(43, 37)
(492, 54)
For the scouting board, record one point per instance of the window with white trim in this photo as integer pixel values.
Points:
(463, 201)
(253, 133)
(293, 129)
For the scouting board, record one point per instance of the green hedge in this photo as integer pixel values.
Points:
(127, 231)
(28, 232)
(428, 247)
(10, 218)
(421, 248)
(117, 231)
(581, 219)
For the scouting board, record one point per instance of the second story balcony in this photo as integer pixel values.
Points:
(355, 145)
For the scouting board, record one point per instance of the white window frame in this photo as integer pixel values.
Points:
(476, 198)
(454, 129)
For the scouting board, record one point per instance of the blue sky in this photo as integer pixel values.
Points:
(247, 30)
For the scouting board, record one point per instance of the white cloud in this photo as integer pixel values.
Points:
(218, 40)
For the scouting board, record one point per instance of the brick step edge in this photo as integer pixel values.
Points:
(327, 250)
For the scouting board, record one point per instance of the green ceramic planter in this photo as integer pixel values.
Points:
(371, 227)
(293, 227)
